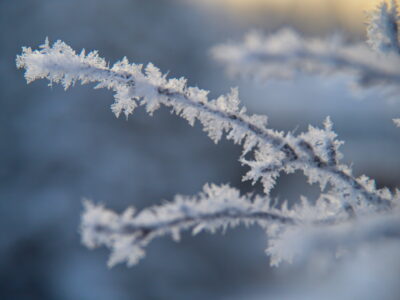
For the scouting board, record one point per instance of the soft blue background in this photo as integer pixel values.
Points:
(57, 147)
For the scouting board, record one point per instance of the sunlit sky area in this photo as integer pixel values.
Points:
(310, 15)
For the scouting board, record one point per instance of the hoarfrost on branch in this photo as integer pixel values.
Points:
(350, 209)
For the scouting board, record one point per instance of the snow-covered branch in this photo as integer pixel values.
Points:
(314, 152)
(215, 207)
(298, 232)
(383, 28)
(286, 54)
(265, 151)
(350, 217)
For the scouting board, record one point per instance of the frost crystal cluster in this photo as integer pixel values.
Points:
(383, 28)
(350, 209)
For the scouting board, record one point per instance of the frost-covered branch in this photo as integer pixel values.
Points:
(299, 232)
(314, 152)
(215, 207)
(351, 211)
(286, 54)
(383, 28)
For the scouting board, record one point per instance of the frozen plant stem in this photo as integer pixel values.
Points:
(128, 234)
(216, 207)
(287, 54)
(274, 151)
(383, 28)
(344, 199)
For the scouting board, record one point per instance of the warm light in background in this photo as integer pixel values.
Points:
(310, 15)
(252, 4)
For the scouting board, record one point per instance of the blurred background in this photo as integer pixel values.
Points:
(58, 147)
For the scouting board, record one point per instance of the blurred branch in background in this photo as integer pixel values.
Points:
(350, 214)
(59, 147)
(287, 54)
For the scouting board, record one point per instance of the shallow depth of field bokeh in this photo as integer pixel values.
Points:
(58, 147)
